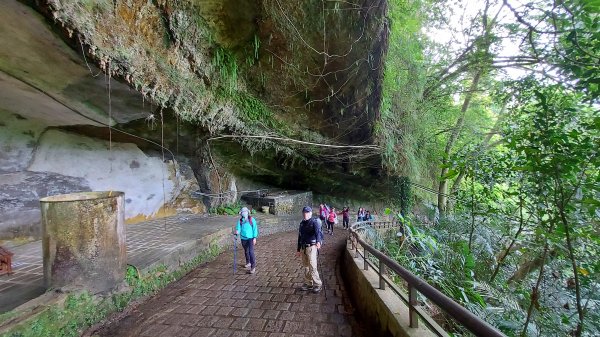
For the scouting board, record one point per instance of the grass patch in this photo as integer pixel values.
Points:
(81, 310)
(225, 62)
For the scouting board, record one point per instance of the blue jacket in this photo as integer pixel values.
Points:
(246, 229)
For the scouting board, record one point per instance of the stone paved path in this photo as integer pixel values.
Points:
(211, 301)
(148, 243)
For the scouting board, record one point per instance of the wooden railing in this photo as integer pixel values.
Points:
(415, 284)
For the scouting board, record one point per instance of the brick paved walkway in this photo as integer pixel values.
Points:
(148, 244)
(210, 301)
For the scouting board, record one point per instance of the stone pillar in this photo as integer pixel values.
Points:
(84, 240)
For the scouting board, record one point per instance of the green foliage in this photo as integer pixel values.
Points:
(528, 189)
(402, 88)
(535, 190)
(253, 109)
(227, 209)
(77, 312)
(100, 6)
(578, 46)
(441, 260)
(403, 194)
(225, 61)
(554, 139)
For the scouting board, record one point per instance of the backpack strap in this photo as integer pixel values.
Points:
(249, 220)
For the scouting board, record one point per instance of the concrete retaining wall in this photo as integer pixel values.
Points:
(382, 309)
(280, 203)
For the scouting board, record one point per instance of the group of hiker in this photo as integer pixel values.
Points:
(364, 215)
(310, 238)
(329, 216)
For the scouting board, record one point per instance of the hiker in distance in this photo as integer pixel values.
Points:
(332, 219)
(248, 230)
(346, 217)
(310, 238)
(323, 213)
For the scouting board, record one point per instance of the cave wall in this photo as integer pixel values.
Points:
(37, 160)
(54, 109)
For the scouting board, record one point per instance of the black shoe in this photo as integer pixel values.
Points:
(306, 287)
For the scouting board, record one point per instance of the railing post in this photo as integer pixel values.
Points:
(381, 272)
(356, 255)
(366, 267)
(413, 316)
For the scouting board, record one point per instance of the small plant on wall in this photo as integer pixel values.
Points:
(227, 209)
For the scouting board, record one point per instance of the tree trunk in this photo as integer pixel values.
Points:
(472, 230)
(485, 144)
(443, 186)
(535, 292)
(512, 242)
(486, 42)
(529, 266)
(580, 312)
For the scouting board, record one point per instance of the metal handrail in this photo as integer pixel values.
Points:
(473, 323)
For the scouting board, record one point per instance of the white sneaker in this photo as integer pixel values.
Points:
(252, 271)
(248, 265)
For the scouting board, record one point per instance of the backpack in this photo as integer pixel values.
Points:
(249, 220)
(324, 212)
(320, 229)
(316, 224)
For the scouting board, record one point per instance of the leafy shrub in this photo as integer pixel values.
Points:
(227, 209)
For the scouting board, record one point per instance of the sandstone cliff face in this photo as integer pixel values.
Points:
(242, 67)
(125, 95)
(39, 161)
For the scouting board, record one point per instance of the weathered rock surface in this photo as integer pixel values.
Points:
(18, 139)
(37, 161)
(104, 166)
(42, 77)
(19, 199)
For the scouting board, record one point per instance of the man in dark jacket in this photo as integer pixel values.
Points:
(310, 238)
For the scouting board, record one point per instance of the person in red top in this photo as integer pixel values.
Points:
(346, 217)
(331, 220)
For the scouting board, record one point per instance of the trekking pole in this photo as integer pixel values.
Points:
(321, 272)
(234, 254)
